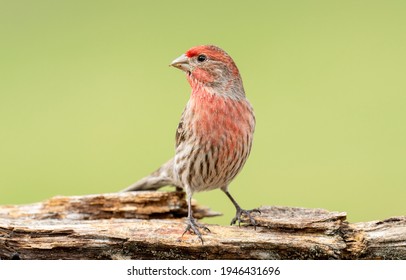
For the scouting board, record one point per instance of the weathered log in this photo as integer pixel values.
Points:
(149, 225)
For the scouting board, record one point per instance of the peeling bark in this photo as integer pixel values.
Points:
(149, 225)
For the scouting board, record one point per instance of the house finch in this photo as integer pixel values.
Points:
(214, 136)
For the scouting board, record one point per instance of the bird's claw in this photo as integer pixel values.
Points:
(193, 227)
(247, 213)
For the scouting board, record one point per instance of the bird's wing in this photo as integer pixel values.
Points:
(180, 131)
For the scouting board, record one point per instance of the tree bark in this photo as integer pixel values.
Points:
(149, 225)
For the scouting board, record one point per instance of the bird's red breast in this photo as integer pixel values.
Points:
(220, 120)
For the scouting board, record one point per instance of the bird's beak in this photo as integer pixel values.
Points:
(182, 63)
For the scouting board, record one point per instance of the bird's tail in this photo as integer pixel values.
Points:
(161, 177)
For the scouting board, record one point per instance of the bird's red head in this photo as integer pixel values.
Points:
(212, 68)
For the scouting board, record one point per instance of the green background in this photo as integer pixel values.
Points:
(88, 103)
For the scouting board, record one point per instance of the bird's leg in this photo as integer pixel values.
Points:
(240, 211)
(192, 225)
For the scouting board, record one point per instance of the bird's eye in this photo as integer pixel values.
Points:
(201, 58)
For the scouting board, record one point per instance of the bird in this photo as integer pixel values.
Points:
(214, 136)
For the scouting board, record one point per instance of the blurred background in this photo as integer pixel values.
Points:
(89, 105)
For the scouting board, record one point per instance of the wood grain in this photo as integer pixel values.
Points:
(149, 225)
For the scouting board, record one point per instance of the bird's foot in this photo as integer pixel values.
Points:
(193, 227)
(247, 213)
